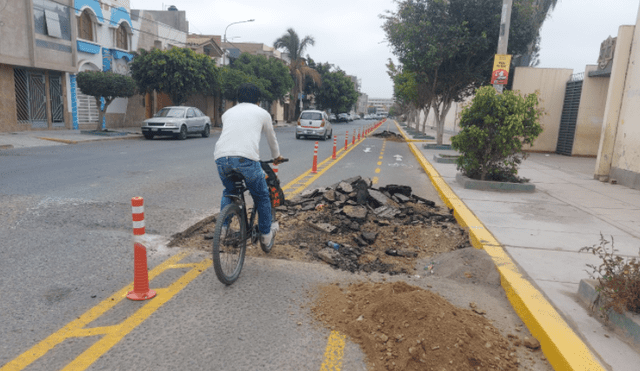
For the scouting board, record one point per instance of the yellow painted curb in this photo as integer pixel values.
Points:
(562, 347)
(67, 141)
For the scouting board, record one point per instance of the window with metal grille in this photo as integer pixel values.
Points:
(122, 38)
(85, 26)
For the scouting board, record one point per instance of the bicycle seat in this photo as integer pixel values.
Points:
(237, 179)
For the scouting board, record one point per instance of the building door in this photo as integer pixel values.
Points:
(57, 106)
(31, 98)
(569, 116)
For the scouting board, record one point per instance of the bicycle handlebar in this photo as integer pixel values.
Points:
(271, 161)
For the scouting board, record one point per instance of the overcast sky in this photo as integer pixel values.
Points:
(348, 33)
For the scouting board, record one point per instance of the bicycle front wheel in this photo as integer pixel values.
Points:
(229, 244)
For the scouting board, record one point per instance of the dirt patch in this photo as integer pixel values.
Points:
(403, 327)
(427, 300)
(389, 135)
(353, 227)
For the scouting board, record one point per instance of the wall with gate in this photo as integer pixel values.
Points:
(551, 84)
(590, 114)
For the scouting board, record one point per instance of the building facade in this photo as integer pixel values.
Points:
(37, 53)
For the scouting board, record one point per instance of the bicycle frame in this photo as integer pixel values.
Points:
(240, 201)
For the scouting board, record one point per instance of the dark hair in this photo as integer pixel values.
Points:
(248, 93)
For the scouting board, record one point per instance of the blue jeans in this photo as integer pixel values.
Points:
(254, 178)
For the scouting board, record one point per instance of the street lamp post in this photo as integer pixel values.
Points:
(224, 50)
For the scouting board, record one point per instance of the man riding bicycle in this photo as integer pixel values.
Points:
(238, 151)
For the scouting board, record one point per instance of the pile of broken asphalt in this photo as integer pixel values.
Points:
(357, 228)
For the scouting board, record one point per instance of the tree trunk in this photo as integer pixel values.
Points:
(217, 111)
(440, 117)
(424, 121)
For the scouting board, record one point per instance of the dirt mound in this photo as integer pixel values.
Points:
(403, 327)
(383, 230)
(389, 135)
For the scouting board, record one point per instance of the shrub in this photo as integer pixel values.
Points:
(618, 278)
(494, 128)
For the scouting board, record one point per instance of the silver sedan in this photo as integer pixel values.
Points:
(177, 121)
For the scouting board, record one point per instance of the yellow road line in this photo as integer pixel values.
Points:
(562, 347)
(334, 352)
(303, 181)
(112, 334)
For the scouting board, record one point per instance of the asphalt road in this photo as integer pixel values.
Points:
(66, 249)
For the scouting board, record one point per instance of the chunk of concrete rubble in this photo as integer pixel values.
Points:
(345, 187)
(327, 255)
(323, 227)
(386, 212)
(355, 212)
(329, 196)
(369, 237)
(379, 198)
(402, 198)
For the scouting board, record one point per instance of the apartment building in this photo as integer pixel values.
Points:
(37, 53)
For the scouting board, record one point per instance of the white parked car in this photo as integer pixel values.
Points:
(315, 124)
(178, 121)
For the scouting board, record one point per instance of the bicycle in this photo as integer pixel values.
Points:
(233, 228)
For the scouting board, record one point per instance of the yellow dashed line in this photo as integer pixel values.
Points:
(379, 163)
(112, 334)
(334, 352)
(374, 180)
(378, 171)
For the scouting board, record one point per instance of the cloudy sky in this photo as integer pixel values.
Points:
(348, 33)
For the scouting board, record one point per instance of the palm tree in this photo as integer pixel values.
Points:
(290, 42)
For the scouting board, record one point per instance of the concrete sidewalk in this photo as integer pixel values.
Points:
(543, 231)
(40, 138)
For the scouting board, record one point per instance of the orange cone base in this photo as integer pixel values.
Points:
(132, 295)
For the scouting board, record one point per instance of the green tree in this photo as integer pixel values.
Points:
(337, 92)
(494, 128)
(273, 75)
(107, 85)
(290, 42)
(177, 72)
(450, 45)
(231, 79)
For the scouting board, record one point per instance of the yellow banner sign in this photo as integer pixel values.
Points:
(500, 74)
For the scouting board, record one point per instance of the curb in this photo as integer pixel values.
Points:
(627, 323)
(444, 160)
(485, 185)
(6, 146)
(68, 141)
(562, 347)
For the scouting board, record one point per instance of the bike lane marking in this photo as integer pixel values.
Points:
(334, 352)
(303, 181)
(114, 333)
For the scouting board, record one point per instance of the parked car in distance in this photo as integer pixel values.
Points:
(177, 121)
(343, 117)
(315, 124)
(332, 117)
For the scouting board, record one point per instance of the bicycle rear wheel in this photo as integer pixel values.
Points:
(230, 245)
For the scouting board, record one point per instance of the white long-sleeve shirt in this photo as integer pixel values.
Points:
(242, 126)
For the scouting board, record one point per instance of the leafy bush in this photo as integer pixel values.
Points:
(494, 128)
(618, 278)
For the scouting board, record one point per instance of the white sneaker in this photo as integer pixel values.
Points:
(267, 239)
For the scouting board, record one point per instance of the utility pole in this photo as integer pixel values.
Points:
(503, 40)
